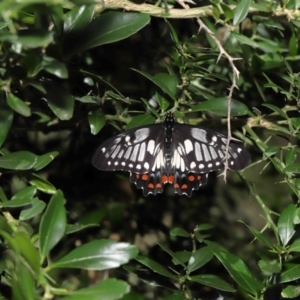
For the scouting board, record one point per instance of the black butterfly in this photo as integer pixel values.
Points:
(169, 152)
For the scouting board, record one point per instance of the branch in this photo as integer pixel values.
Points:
(203, 11)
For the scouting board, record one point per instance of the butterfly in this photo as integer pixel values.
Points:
(169, 152)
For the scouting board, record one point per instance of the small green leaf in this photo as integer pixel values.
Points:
(97, 255)
(170, 81)
(291, 272)
(43, 160)
(241, 11)
(71, 228)
(291, 291)
(18, 105)
(36, 208)
(244, 39)
(55, 67)
(140, 120)
(21, 160)
(293, 168)
(108, 289)
(179, 232)
(269, 266)
(285, 224)
(18, 202)
(41, 184)
(295, 247)
(277, 110)
(53, 224)
(290, 156)
(214, 282)
(200, 258)
(155, 267)
(96, 120)
(219, 106)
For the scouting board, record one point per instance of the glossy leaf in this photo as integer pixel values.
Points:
(144, 119)
(200, 258)
(269, 266)
(291, 291)
(97, 255)
(111, 27)
(26, 193)
(18, 105)
(285, 224)
(290, 156)
(214, 282)
(293, 168)
(219, 106)
(43, 160)
(18, 202)
(53, 224)
(36, 208)
(21, 160)
(241, 11)
(42, 184)
(157, 81)
(60, 101)
(71, 228)
(109, 289)
(55, 67)
(170, 81)
(238, 270)
(155, 267)
(96, 120)
(290, 273)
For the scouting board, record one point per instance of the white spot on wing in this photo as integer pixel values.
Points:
(217, 163)
(239, 150)
(151, 146)
(138, 166)
(123, 163)
(142, 152)
(214, 138)
(127, 154)
(114, 154)
(221, 154)
(213, 153)
(141, 134)
(201, 166)
(116, 163)
(192, 165)
(198, 152)
(182, 165)
(188, 146)
(134, 152)
(199, 134)
(210, 165)
(146, 165)
(121, 153)
(206, 153)
(109, 163)
(103, 149)
(130, 165)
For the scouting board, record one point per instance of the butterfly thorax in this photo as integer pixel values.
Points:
(168, 143)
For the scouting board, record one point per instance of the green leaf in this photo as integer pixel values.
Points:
(167, 80)
(295, 247)
(294, 168)
(6, 119)
(241, 11)
(179, 232)
(200, 258)
(214, 282)
(227, 11)
(55, 67)
(19, 202)
(111, 27)
(291, 156)
(42, 184)
(285, 224)
(291, 273)
(244, 39)
(28, 251)
(277, 110)
(219, 106)
(53, 224)
(269, 266)
(291, 291)
(60, 101)
(18, 105)
(43, 160)
(96, 120)
(71, 228)
(109, 289)
(21, 160)
(78, 18)
(97, 255)
(36, 208)
(271, 150)
(34, 38)
(159, 83)
(155, 267)
(140, 120)
(238, 270)
(26, 193)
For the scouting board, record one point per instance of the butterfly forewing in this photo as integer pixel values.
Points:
(203, 150)
(135, 150)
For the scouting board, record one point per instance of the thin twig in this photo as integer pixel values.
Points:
(234, 78)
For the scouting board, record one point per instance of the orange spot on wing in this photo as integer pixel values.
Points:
(137, 176)
(171, 179)
(158, 185)
(184, 186)
(150, 185)
(164, 178)
(199, 177)
(176, 186)
(145, 177)
(191, 178)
